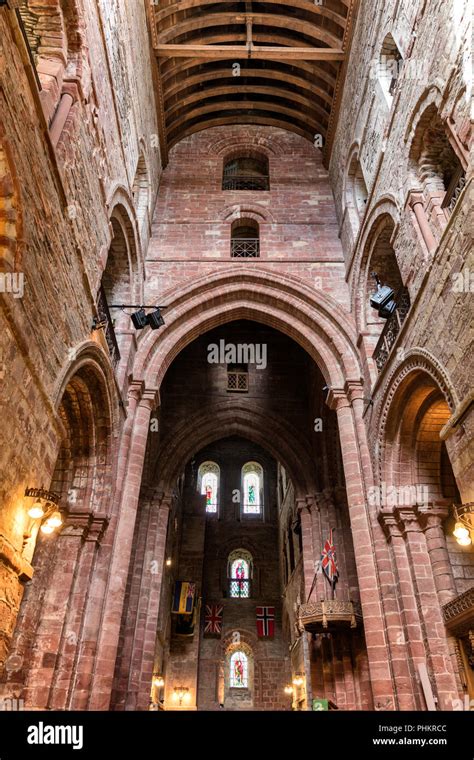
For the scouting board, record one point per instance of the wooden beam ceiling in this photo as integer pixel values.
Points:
(250, 62)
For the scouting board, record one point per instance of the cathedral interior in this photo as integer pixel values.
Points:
(236, 355)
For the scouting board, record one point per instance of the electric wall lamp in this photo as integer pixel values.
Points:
(464, 528)
(43, 508)
(180, 693)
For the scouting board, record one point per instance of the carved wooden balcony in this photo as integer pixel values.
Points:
(459, 613)
(392, 327)
(329, 614)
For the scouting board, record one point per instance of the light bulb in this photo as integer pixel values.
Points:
(46, 528)
(460, 531)
(464, 540)
(55, 520)
(36, 511)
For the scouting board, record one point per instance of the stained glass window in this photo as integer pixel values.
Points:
(208, 484)
(253, 485)
(240, 579)
(239, 670)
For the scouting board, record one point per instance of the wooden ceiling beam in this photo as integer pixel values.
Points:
(240, 51)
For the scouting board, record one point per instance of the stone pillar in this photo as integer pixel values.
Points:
(417, 204)
(92, 527)
(433, 519)
(132, 463)
(405, 634)
(356, 461)
(426, 598)
(146, 622)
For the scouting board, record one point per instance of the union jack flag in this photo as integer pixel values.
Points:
(328, 561)
(213, 619)
(265, 622)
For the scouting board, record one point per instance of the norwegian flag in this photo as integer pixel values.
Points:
(265, 622)
(213, 619)
(328, 561)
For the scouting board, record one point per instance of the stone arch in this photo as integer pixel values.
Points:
(141, 194)
(219, 145)
(83, 479)
(377, 254)
(10, 211)
(239, 419)
(433, 159)
(389, 66)
(415, 466)
(417, 361)
(252, 210)
(311, 318)
(355, 190)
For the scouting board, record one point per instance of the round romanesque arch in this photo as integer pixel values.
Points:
(313, 319)
(418, 363)
(239, 419)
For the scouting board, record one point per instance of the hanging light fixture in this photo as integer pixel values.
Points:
(464, 527)
(180, 693)
(298, 680)
(44, 508)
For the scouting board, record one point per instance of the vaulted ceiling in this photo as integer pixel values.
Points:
(275, 63)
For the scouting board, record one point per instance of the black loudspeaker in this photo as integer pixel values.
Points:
(155, 320)
(387, 309)
(382, 297)
(139, 319)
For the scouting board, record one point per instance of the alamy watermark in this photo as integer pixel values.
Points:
(12, 282)
(237, 353)
(398, 496)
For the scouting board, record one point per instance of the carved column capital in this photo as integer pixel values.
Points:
(337, 399)
(432, 517)
(390, 524)
(415, 198)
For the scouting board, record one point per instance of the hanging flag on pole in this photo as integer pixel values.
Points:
(328, 561)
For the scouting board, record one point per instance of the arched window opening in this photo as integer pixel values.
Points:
(356, 193)
(436, 165)
(117, 283)
(387, 320)
(245, 239)
(240, 566)
(239, 670)
(252, 483)
(390, 62)
(208, 485)
(141, 193)
(246, 172)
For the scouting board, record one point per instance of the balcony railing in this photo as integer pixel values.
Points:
(245, 182)
(109, 332)
(391, 328)
(245, 248)
(454, 191)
